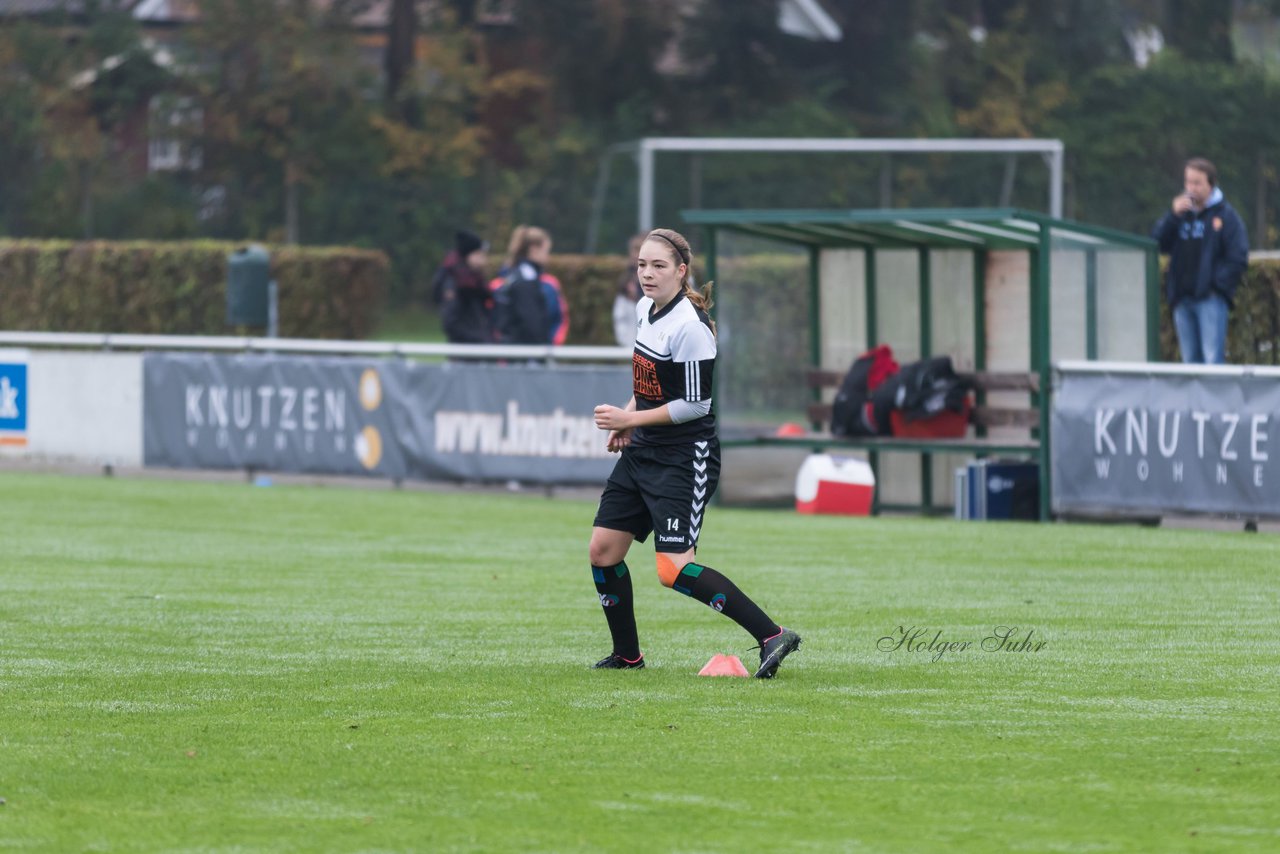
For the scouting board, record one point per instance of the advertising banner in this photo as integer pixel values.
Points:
(1148, 440)
(379, 417)
(13, 398)
(469, 421)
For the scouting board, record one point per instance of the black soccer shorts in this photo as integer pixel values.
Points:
(664, 489)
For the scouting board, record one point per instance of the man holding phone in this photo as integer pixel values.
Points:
(1208, 252)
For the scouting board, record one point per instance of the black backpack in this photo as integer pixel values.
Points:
(927, 387)
(851, 413)
(521, 308)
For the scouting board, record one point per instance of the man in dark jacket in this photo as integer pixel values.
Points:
(1208, 252)
(462, 292)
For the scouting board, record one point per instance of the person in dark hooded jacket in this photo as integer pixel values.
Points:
(529, 306)
(1208, 252)
(462, 292)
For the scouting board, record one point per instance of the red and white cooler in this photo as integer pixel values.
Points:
(827, 483)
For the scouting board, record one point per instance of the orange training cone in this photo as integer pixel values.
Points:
(724, 665)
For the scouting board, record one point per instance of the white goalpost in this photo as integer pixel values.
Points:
(644, 152)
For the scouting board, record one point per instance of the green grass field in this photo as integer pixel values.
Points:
(411, 323)
(195, 666)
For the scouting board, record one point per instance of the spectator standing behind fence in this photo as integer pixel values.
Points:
(629, 293)
(462, 294)
(528, 302)
(1208, 252)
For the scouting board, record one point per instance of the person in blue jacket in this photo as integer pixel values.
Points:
(529, 303)
(1208, 252)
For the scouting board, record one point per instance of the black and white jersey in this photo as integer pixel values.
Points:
(674, 359)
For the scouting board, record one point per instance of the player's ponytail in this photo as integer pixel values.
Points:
(702, 299)
(676, 241)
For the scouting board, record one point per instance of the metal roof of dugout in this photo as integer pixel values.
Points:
(981, 231)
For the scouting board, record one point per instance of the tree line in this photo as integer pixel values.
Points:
(303, 122)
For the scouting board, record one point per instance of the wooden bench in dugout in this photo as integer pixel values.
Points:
(981, 418)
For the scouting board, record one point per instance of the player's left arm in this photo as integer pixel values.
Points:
(693, 348)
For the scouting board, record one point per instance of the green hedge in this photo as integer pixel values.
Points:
(179, 288)
(589, 283)
(765, 302)
(1253, 331)
(763, 318)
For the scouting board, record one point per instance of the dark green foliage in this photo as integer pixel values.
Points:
(600, 54)
(1130, 130)
(1201, 29)
(492, 125)
(874, 60)
(1253, 330)
(1253, 336)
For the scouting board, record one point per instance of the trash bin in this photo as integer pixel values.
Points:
(248, 286)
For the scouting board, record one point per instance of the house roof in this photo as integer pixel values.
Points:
(374, 14)
(803, 18)
(917, 228)
(19, 8)
(167, 11)
(807, 19)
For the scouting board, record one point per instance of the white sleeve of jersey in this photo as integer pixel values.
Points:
(693, 342)
(694, 345)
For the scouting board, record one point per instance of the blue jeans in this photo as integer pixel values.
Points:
(1202, 330)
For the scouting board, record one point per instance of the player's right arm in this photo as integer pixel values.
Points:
(619, 437)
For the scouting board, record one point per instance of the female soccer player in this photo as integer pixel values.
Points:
(670, 461)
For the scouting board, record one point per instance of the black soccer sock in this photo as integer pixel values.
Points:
(711, 588)
(613, 583)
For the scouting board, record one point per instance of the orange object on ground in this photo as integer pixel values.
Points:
(724, 665)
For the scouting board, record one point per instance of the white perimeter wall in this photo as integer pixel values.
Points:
(83, 406)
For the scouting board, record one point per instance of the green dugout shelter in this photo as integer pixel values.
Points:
(997, 289)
